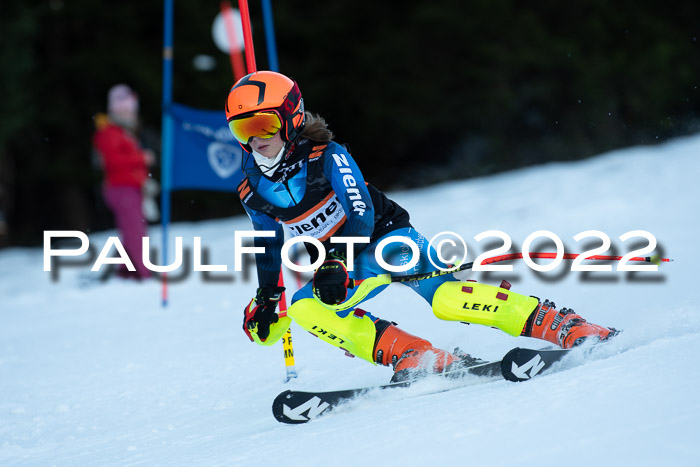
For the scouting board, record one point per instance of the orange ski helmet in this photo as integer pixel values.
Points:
(263, 103)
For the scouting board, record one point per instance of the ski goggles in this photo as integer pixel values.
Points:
(259, 124)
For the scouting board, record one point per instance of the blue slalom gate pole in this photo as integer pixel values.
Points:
(270, 35)
(167, 135)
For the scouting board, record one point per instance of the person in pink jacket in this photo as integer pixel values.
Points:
(125, 165)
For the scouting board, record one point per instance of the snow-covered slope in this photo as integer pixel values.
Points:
(103, 375)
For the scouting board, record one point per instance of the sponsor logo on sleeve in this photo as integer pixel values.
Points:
(350, 183)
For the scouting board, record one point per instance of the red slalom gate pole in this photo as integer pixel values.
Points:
(497, 259)
(544, 255)
(234, 50)
(247, 36)
(250, 62)
(365, 286)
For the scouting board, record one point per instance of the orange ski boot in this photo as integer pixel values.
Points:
(564, 327)
(411, 356)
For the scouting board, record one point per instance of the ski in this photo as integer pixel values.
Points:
(295, 407)
(519, 364)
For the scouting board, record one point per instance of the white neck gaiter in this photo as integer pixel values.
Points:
(267, 165)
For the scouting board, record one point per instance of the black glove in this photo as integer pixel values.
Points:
(260, 312)
(331, 280)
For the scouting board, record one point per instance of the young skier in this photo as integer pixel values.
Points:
(126, 166)
(298, 177)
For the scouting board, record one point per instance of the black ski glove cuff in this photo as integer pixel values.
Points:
(331, 280)
(269, 294)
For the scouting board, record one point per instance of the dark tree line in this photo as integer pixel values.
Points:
(421, 91)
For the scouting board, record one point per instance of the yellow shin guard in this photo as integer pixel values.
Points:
(476, 303)
(355, 333)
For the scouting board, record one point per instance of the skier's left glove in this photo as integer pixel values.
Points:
(331, 280)
(260, 312)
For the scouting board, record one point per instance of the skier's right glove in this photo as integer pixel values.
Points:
(331, 280)
(260, 312)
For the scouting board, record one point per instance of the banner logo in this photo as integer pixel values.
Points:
(223, 159)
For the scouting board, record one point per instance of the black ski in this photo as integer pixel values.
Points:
(517, 365)
(299, 406)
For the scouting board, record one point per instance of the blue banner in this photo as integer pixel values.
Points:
(206, 156)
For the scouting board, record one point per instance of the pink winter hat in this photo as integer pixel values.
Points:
(122, 99)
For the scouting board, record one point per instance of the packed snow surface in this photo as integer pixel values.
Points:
(102, 374)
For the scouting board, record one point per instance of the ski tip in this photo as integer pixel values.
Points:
(278, 406)
(283, 395)
(506, 365)
(523, 364)
(512, 354)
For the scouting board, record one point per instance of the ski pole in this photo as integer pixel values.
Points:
(287, 338)
(365, 286)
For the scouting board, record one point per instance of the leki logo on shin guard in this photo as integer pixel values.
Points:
(479, 306)
(318, 332)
